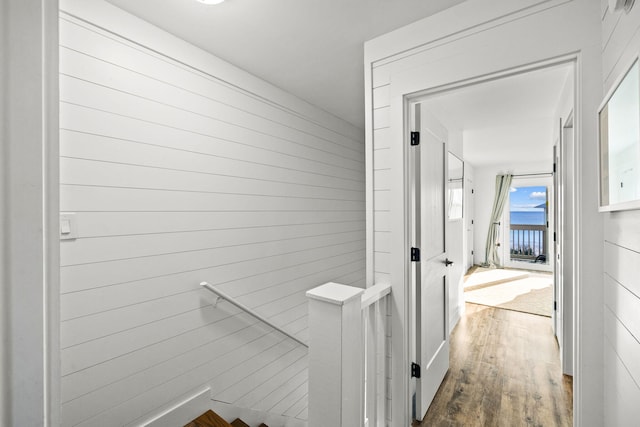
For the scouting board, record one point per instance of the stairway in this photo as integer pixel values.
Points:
(211, 419)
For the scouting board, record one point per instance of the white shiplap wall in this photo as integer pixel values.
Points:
(620, 44)
(382, 208)
(176, 177)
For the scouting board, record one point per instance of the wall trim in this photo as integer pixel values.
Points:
(29, 197)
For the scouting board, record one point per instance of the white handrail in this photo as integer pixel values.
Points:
(243, 307)
(375, 293)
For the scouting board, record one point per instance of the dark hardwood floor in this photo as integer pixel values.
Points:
(504, 371)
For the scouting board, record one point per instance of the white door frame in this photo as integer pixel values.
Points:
(29, 230)
(568, 242)
(412, 88)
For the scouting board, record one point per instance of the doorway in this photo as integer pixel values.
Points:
(533, 248)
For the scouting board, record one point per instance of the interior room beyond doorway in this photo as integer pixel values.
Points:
(510, 125)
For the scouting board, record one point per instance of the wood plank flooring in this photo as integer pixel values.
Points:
(208, 419)
(504, 371)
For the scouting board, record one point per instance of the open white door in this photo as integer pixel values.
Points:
(556, 232)
(431, 287)
(469, 209)
(566, 238)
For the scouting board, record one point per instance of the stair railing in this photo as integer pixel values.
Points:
(348, 355)
(250, 311)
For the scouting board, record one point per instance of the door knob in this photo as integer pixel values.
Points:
(447, 262)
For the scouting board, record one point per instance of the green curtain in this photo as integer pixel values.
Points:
(503, 185)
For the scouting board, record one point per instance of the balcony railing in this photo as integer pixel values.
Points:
(527, 241)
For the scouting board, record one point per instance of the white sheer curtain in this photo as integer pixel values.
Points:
(503, 185)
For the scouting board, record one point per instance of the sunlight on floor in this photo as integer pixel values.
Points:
(511, 289)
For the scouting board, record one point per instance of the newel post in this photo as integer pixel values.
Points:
(335, 356)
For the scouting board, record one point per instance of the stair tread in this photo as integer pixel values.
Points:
(239, 423)
(208, 419)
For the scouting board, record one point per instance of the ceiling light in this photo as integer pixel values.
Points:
(211, 1)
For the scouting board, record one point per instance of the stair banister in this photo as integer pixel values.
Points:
(348, 352)
(375, 293)
(250, 311)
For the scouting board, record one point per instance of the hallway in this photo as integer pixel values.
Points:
(504, 371)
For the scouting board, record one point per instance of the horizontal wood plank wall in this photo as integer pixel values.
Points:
(381, 205)
(176, 178)
(620, 44)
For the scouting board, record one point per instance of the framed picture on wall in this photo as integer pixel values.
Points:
(619, 143)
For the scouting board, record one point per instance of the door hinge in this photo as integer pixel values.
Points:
(415, 254)
(554, 168)
(471, 252)
(555, 306)
(554, 236)
(415, 370)
(415, 138)
(472, 191)
(471, 222)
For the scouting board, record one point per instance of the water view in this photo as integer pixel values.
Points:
(528, 219)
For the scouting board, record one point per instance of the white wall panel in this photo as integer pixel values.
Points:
(109, 101)
(188, 152)
(381, 96)
(106, 224)
(621, 395)
(621, 41)
(270, 280)
(620, 44)
(177, 176)
(381, 138)
(382, 221)
(382, 179)
(381, 118)
(625, 344)
(383, 241)
(281, 107)
(382, 200)
(381, 159)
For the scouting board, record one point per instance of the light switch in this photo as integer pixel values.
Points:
(65, 226)
(68, 226)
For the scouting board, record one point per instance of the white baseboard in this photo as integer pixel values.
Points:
(454, 319)
(254, 418)
(182, 412)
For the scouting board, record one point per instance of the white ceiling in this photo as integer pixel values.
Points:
(506, 120)
(312, 49)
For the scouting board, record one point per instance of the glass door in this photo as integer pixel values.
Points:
(528, 226)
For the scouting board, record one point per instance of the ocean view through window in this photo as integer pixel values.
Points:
(528, 216)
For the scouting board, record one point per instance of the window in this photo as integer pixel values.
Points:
(528, 216)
